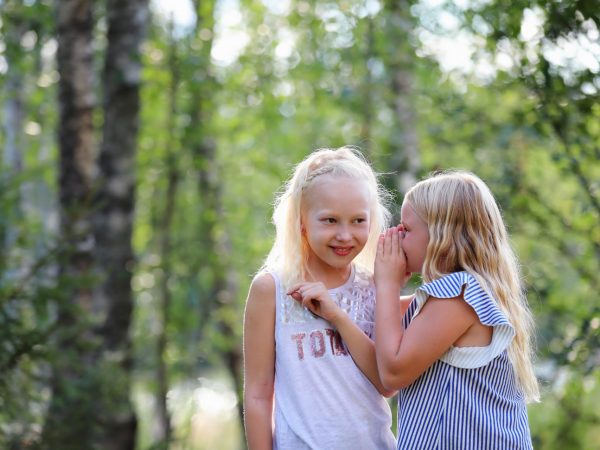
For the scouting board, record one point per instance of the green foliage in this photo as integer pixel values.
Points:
(308, 77)
(532, 140)
(28, 289)
(569, 418)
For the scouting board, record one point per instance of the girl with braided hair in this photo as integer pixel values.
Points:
(311, 379)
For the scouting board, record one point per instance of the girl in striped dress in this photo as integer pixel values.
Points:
(459, 350)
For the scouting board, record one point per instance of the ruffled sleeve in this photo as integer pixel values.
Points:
(486, 308)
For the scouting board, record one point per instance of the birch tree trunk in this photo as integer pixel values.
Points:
(367, 94)
(113, 218)
(13, 106)
(165, 248)
(405, 158)
(15, 26)
(72, 388)
(224, 286)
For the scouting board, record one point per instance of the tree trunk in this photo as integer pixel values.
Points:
(13, 108)
(200, 144)
(15, 26)
(224, 280)
(70, 419)
(405, 158)
(367, 104)
(165, 249)
(113, 218)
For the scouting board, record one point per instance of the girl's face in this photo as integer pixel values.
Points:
(335, 221)
(416, 238)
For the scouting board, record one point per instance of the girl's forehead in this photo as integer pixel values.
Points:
(337, 191)
(407, 212)
(406, 208)
(330, 181)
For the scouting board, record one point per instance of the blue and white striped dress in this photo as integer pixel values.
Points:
(469, 398)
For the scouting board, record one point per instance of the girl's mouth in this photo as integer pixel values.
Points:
(342, 251)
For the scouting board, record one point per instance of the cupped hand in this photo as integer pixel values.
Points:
(315, 297)
(390, 262)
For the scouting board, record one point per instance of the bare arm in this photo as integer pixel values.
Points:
(315, 297)
(403, 355)
(439, 324)
(259, 362)
(362, 350)
(405, 301)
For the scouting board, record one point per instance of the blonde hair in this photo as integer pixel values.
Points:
(289, 254)
(467, 232)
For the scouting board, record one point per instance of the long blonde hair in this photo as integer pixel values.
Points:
(467, 232)
(289, 254)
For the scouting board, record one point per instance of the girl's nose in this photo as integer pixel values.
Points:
(343, 234)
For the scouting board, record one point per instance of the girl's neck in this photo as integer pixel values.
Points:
(331, 277)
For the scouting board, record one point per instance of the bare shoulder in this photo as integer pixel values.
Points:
(263, 284)
(262, 289)
(259, 314)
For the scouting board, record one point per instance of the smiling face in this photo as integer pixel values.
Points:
(335, 221)
(416, 238)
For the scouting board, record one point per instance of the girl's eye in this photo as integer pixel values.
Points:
(360, 220)
(329, 220)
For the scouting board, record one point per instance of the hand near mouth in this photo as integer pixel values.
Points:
(390, 262)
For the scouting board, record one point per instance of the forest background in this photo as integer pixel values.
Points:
(141, 151)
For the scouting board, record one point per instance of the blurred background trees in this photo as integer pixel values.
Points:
(141, 148)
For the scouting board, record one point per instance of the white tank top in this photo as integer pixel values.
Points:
(322, 399)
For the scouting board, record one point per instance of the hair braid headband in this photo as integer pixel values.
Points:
(315, 173)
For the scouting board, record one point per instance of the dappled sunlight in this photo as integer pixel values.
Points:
(136, 210)
(203, 415)
(208, 415)
(215, 399)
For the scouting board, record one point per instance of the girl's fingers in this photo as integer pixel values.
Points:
(307, 294)
(304, 290)
(380, 243)
(388, 242)
(395, 241)
(392, 242)
(294, 288)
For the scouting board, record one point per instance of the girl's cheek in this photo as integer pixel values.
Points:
(406, 246)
